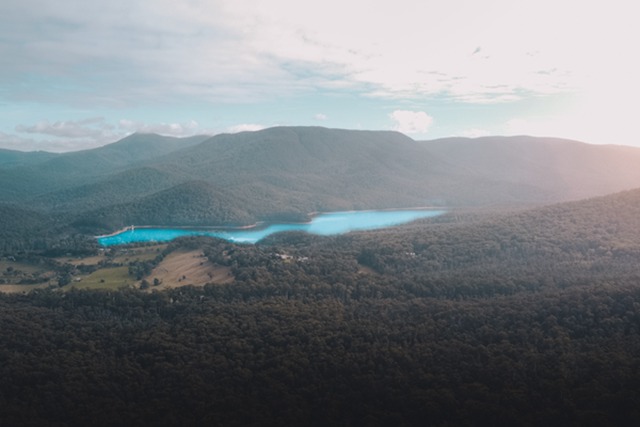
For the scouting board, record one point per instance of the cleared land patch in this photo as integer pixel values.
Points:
(17, 289)
(17, 277)
(123, 256)
(184, 268)
(112, 271)
(105, 278)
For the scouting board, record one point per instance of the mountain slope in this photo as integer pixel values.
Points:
(561, 169)
(12, 158)
(132, 150)
(547, 248)
(82, 167)
(118, 188)
(354, 169)
(287, 172)
(348, 167)
(194, 203)
(22, 228)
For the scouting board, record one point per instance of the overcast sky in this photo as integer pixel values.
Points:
(82, 73)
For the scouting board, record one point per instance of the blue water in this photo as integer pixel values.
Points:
(325, 224)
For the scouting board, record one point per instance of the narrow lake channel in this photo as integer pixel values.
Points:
(324, 224)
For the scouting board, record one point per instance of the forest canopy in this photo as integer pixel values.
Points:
(526, 318)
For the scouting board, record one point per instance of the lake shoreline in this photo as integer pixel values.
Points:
(258, 224)
(184, 227)
(319, 223)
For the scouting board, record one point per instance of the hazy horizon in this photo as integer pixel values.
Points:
(63, 149)
(83, 74)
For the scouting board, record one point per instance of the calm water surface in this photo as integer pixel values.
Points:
(325, 224)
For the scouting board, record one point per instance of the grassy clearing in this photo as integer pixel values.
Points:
(180, 268)
(145, 253)
(21, 289)
(105, 278)
(16, 277)
(122, 256)
(184, 268)
(111, 277)
(26, 268)
(90, 260)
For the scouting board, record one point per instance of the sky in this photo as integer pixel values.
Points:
(77, 74)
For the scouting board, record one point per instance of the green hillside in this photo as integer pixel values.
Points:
(68, 170)
(340, 168)
(122, 187)
(13, 158)
(558, 245)
(23, 228)
(192, 203)
(287, 172)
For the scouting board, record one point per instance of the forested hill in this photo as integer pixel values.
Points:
(68, 170)
(12, 158)
(309, 168)
(528, 318)
(539, 248)
(286, 172)
(194, 203)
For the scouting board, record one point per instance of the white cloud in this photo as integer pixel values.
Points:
(243, 51)
(170, 129)
(411, 121)
(88, 128)
(245, 127)
(15, 142)
(494, 52)
(71, 135)
(320, 117)
(172, 53)
(57, 145)
(68, 135)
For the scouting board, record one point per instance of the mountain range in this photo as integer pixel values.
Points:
(287, 172)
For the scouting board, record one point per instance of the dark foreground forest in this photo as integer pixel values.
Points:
(520, 319)
(220, 357)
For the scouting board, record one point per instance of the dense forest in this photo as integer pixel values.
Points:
(231, 356)
(522, 318)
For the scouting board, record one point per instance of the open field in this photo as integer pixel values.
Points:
(188, 268)
(15, 276)
(19, 266)
(105, 278)
(16, 289)
(123, 256)
(145, 253)
(177, 269)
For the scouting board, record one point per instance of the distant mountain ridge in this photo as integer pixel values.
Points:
(14, 158)
(286, 172)
(66, 170)
(566, 169)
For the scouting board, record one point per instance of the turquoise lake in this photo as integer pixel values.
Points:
(325, 224)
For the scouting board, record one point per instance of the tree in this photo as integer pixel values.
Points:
(64, 279)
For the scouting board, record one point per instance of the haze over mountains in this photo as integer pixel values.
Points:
(287, 172)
